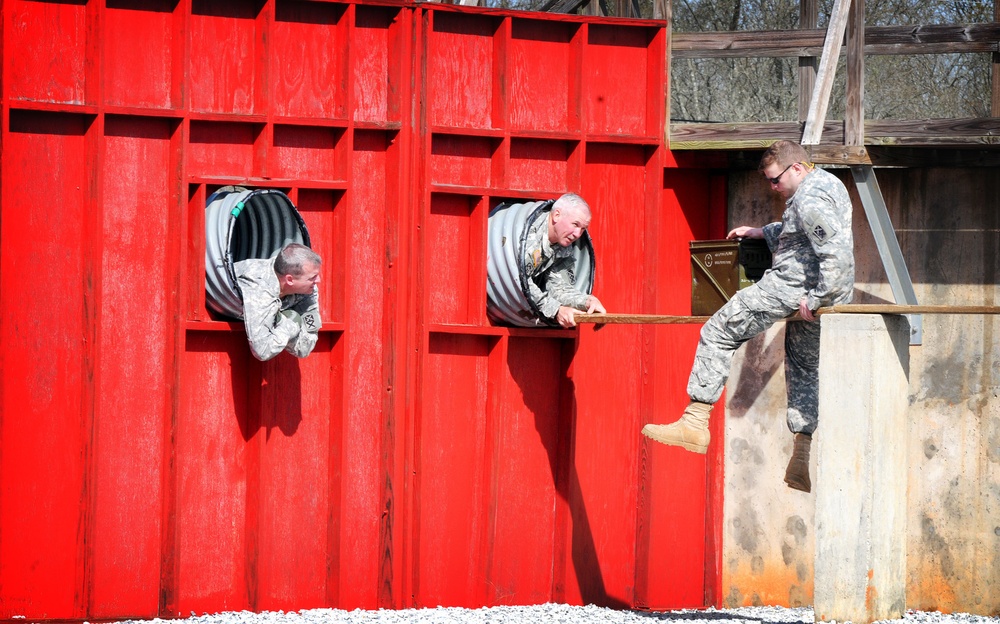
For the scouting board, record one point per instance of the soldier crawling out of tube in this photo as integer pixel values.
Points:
(813, 266)
(280, 301)
(549, 261)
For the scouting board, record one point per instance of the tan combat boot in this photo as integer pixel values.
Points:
(690, 432)
(797, 473)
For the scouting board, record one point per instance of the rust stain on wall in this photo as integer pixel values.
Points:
(871, 593)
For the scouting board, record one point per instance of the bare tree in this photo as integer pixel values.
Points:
(765, 89)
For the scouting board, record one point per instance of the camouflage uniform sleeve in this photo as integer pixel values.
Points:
(268, 331)
(560, 287)
(557, 290)
(547, 306)
(826, 217)
(308, 309)
(771, 233)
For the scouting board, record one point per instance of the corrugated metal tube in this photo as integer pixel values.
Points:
(507, 280)
(241, 224)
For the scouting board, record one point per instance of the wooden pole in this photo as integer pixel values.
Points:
(808, 19)
(854, 115)
(853, 308)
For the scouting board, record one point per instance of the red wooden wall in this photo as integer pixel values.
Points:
(149, 466)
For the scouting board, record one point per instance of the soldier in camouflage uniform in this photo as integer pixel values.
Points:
(280, 304)
(548, 259)
(813, 266)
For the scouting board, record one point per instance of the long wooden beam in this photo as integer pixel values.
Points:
(879, 40)
(937, 133)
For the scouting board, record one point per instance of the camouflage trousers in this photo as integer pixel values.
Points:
(750, 312)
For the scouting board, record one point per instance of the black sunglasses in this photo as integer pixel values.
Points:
(777, 178)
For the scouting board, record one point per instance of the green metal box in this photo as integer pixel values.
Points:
(721, 267)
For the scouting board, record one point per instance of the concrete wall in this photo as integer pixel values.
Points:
(947, 224)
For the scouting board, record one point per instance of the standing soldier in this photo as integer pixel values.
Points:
(813, 266)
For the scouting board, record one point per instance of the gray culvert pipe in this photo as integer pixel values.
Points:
(507, 280)
(242, 224)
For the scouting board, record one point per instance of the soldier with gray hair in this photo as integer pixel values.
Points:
(280, 301)
(813, 266)
(549, 261)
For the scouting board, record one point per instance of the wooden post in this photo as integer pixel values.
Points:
(808, 19)
(860, 567)
(995, 93)
(854, 115)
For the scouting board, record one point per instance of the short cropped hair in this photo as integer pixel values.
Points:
(293, 257)
(572, 201)
(783, 153)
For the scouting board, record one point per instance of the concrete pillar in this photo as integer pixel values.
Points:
(860, 485)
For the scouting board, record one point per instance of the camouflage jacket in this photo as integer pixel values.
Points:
(813, 244)
(550, 270)
(268, 331)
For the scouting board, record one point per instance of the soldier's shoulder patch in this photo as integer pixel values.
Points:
(819, 229)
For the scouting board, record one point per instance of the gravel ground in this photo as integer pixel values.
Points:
(552, 613)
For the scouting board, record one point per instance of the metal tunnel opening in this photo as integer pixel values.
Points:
(242, 224)
(507, 302)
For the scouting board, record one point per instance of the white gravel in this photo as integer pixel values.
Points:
(551, 613)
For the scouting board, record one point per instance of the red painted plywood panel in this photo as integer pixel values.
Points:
(307, 61)
(616, 89)
(603, 485)
(674, 503)
(529, 458)
(213, 452)
(50, 40)
(539, 165)
(448, 235)
(307, 153)
(222, 149)
(45, 421)
(542, 67)
(462, 161)
(139, 50)
(294, 467)
(326, 222)
(223, 71)
(615, 181)
(366, 392)
(675, 486)
(135, 350)
(376, 54)
(460, 71)
(451, 480)
(607, 397)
